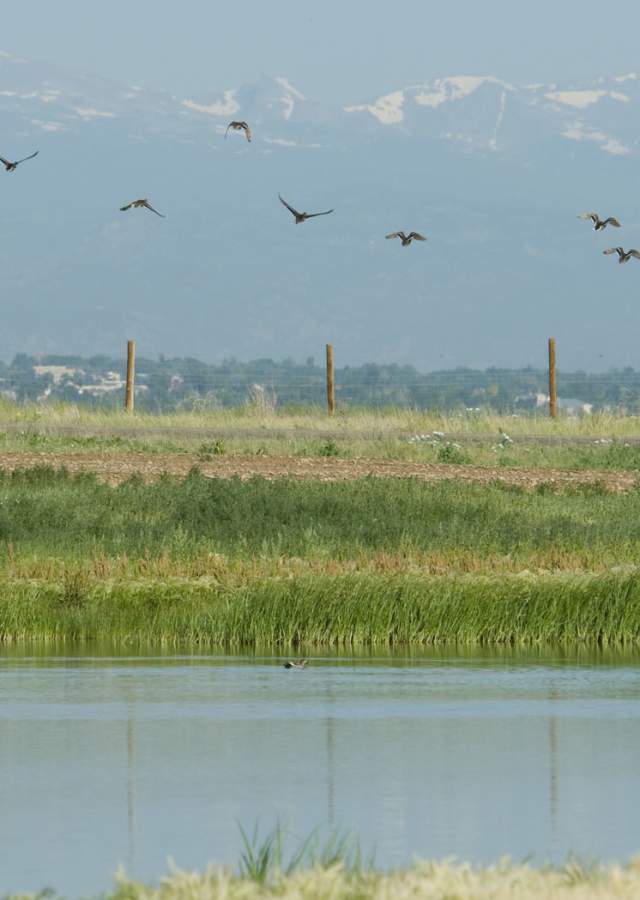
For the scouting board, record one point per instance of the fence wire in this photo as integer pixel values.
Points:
(182, 384)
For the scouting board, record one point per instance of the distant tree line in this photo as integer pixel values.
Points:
(167, 384)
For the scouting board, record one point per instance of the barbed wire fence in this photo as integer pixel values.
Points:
(163, 385)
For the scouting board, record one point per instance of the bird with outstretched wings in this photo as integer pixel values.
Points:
(239, 126)
(12, 166)
(598, 223)
(143, 203)
(406, 238)
(302, 216)
(623, 255)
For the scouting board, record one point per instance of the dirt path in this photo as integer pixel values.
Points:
(116, 468)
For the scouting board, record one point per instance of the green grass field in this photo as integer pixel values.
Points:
(49, 515)
(374, 561)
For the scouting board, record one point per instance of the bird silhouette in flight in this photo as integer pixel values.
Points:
(406, 238)
(598, 223)
(141, 204)
(12, 166)
(302, 216)
(623, 255)
(239, 126)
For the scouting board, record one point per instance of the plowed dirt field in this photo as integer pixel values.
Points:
(115, 468)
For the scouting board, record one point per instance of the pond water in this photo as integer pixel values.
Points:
(110, 759)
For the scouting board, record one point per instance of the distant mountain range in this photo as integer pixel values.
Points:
(494, 173)
(471, 112)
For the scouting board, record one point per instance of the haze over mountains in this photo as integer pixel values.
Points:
(494, 173)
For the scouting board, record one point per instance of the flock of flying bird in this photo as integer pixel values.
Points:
(299, 217)
(599, 225)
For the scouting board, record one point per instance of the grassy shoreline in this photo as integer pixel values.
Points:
(344, 611)
(373, 562)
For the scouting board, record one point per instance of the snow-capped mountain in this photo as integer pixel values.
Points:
(493, 172)
(486, 112)
(472, 112)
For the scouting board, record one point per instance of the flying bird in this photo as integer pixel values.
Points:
(141, 204)
(598, 223)
(302, 216)
(623, 255)
(296, 664)
(406, 238)
(12, 166)
(240, 126)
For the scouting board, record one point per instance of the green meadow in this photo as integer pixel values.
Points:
(372, 561)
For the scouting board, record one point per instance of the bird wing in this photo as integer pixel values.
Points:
(247, 131)
(634, 253)
(612, 221)
(18, 161)
(125, 208)
(593, 216)
(416, 236)
(5, 161)
(394, 234)
(290, 208)
(610, 250)
(147, 205)
(313, 215)
(228, 127)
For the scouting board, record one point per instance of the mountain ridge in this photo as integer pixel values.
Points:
(50, 99)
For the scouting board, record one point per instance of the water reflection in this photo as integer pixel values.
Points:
(553, 775)
(118, 758)
(331, 762)
(131, 855)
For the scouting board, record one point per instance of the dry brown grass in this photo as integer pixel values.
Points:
(426, 880)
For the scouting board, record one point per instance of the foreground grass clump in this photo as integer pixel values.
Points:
(352, 611)
(428, 880)
(334, 869)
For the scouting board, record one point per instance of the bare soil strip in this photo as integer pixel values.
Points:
(114, 469)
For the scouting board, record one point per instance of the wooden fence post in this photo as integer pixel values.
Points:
(553, 393)
(131, 368)
(331, 399)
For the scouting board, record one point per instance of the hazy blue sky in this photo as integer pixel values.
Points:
(335, 50)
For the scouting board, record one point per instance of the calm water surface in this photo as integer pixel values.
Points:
(110, 759)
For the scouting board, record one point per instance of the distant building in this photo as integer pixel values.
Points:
(57, 372)
(109, 382)
(570, 406)
(531, 401)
